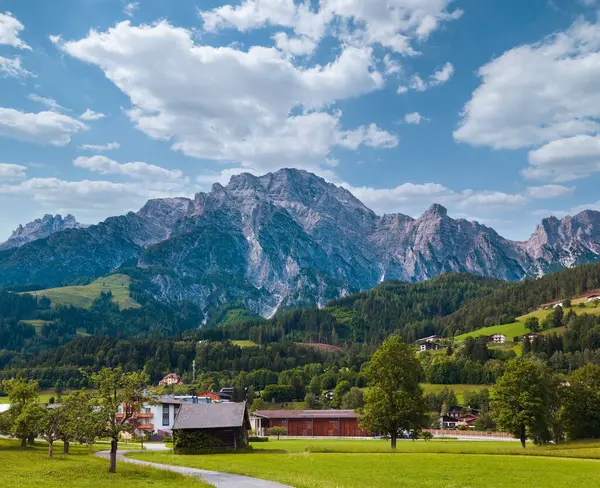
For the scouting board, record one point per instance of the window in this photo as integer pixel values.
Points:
(148, 410)
(165, 415)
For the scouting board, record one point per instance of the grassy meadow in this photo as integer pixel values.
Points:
(517, 328)
(436, 464)
(458, 390)
(31, 468)
(84, 296)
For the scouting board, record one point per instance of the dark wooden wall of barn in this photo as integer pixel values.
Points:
(320, 427)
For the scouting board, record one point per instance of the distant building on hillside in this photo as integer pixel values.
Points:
(171, 379)
(431, 343)
(498, 338)
(593, 298)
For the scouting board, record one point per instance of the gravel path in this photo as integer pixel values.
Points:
(218, 480)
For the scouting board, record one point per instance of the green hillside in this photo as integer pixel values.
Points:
(517, 328)
(84, 296)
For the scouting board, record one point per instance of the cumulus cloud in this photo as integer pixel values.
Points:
(437, 78)
(51, 128)
(414, 118)
(393, 24)
(12, 172)
(255, 107)
(12, 68)
(48, 102)
(135, 170)
(537, 93)
(130, 8)
(548, 191)
(565, 159)
(110, 146)
(296, 45)
(10, 28)
(90, 115)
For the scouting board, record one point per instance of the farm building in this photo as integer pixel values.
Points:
(202, 427)
(593, 298)
(310, 423)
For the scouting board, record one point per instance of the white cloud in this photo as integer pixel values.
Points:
(371, 136)
(48, 102)
(298, 46)
(414, 118)
(130, 8)
(254, 107)
(548, 191)
(90, 115)
(91, 201)
(41, 128)
(12, 67)
(9, 31)
(413, 199)
(393, 24)
(565, 159)
(12, 172)
(437, 78)
(136, 170)
(537, 93)
(392, 66)
(110, 146)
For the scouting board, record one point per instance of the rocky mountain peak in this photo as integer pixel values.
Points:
(39, 229)
(435, 211)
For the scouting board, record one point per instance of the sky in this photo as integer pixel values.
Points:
(490, 108)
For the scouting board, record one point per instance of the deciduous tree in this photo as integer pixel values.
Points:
(394, 402)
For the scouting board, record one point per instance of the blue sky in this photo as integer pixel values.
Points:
(490, 108)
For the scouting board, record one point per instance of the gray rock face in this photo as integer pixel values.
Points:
(290, 238)
(40, 228)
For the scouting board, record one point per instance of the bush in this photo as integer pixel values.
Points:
(257, 438)
(427, 436)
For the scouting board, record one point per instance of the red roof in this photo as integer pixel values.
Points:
(307, 414)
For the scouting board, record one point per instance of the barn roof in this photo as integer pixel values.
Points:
(307, 414)
(211, 416)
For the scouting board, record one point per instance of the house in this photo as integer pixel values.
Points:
(429, 346)
(556, 305)
(457, 416)
(498, 338)
(433, 338)
(309, 423)
(216, 426)
(531, 336)
(467, 420)
(593, 298)
(447, 422)
(157, 418)
(328, 395)
(171, 379)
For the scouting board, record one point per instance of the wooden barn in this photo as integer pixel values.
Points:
(211, 427)
(309, 423)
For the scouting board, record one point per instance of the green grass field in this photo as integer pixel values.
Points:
(83, 296)
(436, 464)
(44, 395)
(243, 344)
(458, 390)
(517, 328)
(31, 468)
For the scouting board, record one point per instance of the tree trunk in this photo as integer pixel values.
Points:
(31, 439)
(66, 447)
(113, 456)
(394, 437)
(23, 442)
(50, 449)
(523, 436)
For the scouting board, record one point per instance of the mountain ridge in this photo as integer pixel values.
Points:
(289, 238)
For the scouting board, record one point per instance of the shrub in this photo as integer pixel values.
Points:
(257, 438)
(278, 431)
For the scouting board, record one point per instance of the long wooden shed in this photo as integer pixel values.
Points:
(310, 423)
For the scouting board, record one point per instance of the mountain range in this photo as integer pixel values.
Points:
(282, 239)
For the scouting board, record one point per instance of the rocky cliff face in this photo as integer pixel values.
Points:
(290, 238)
(40, 228)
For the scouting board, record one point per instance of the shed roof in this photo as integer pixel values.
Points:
(211, 416)
(307, 414)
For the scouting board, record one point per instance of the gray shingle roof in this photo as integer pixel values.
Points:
(210, 416)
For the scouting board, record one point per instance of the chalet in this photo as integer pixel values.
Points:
(556, 305)
(593, 298)
(467, 420)
(429, 346)
(433, 338)
(457, 416)
(447, 422)
(171, 379)
(215, 426)
(310, 423)
(498, 338)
